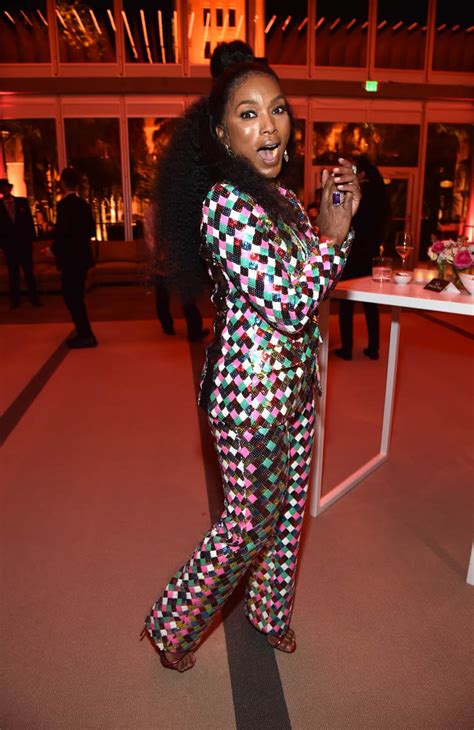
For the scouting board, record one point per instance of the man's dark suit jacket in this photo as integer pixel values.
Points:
(75, 227)
(19, 234)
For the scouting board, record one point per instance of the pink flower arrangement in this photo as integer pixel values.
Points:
(463, 259)
(438, 247)
(458, 253)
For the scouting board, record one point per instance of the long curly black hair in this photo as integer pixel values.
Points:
(195, 160)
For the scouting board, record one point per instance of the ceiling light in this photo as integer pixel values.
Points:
(81, 24)
(94, 20)
(129, 33)
(26, 18)
(112, 21)
(160, 30)
(191, 25)
(270, 23)
(239, 27)
(145, 35)
(63, 22)
(42, 17)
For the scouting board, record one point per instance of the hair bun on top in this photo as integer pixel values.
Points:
(227, 54)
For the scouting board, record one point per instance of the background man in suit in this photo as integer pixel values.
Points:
(75, 227)
(17, 233)
(370, 226)
(162, 289)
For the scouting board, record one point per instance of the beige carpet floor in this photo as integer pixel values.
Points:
(105, 492)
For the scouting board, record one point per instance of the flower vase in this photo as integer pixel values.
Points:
(456, 279)
(441, 266)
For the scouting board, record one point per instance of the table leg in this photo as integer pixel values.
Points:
(318, 451)
(470, 570)
(390, 382)
(317, 503)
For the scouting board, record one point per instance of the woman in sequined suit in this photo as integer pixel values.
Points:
(258, 385)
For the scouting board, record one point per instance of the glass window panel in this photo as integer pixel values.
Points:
(24, 32)
(390, 145)
(147, 139)
(151, 31)
(29, 155)
(285, 31)
(454, 36)
(213, 23)
(397, 190)
(341, 33)
(447, 186)
(293, 174)
(86, 31)
(93, 149)
(401, 34)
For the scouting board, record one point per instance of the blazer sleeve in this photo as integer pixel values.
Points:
(283, 272)
(30, 225)
(60, 229)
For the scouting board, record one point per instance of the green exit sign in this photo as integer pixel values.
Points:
(371, 85)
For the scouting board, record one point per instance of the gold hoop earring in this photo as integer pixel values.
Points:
(286, 156)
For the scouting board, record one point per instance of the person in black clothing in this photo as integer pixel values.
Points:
(17, 233)
(75, 227)
(162, 288)
(369, 224)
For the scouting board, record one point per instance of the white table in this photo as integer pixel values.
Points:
(412, 296)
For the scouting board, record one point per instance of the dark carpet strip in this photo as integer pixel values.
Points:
(15, 412)
(448, 325)
(259, 700)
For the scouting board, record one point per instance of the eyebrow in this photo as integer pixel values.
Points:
(254, 101)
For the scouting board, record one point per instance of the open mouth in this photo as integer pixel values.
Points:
(269, 152)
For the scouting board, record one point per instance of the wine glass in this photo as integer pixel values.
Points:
(403, 246)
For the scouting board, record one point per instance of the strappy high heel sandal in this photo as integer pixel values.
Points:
(168, 663)
(175, 664)
(279, 643)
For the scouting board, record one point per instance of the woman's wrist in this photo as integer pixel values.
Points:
(325, 238)
(336, 240)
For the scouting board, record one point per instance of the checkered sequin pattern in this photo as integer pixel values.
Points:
(280, 273)
(258, 389)
(273, 278)
(265, 477)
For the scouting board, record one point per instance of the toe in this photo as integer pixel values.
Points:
(187, 662)
(286, 643)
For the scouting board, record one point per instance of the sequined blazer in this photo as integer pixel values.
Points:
(269, 280)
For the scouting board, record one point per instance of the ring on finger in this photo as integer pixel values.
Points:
(354, 169)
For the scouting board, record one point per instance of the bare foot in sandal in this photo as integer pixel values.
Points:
(286, 643)
(179, 661)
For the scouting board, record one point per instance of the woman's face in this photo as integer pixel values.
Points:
(256, 124)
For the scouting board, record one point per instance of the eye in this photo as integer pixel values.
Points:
(280, 109)
(247, 114)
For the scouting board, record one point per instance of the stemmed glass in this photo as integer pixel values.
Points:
(403, 246)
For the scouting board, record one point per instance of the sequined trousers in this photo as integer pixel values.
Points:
(265, 473)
